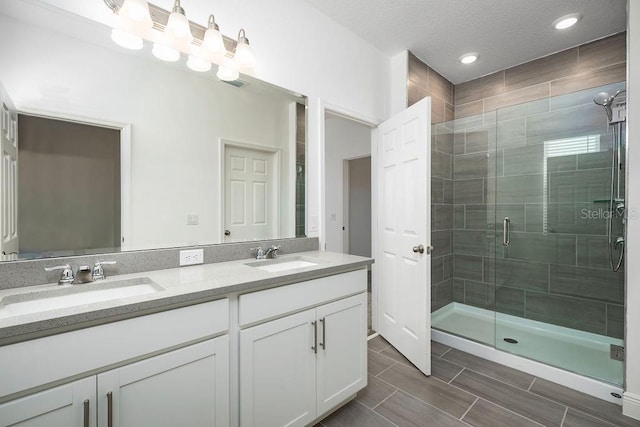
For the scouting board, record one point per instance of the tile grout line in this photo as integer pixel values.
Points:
(385, 399)
(469, 408)
(564, 417)
(442, 355)
(596, 417)
(378, 414)
(456, 376)
(531, 385)
(386, 369)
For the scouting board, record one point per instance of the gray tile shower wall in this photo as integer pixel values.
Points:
(424, 81)
(556, 269)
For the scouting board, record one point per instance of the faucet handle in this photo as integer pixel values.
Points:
(98, 271)
(66, 277)
(260, 254)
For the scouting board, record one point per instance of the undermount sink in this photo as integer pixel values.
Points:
(75, 295)
(277, 265)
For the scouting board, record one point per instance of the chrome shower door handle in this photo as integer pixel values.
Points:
(506, 240)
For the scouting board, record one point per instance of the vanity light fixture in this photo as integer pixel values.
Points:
(566, 21)
(134, 19)
(244, 56)
(469, 58)
(227, 70)
(173, 34)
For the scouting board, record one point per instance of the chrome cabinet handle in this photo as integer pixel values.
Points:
(110, 409)
(85, 404)
(506, 239)
(324, 333)
(314, 347)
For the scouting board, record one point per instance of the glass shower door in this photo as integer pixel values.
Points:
(557, 300)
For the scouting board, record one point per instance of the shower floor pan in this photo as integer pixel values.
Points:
(576, 351)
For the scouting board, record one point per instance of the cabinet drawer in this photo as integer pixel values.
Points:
(271, 303)
(42, 361)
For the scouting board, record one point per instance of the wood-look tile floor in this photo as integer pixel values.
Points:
(465, 390)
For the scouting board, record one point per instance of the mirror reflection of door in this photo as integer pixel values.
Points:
(250, 194)
(8, 178)
(69, 191)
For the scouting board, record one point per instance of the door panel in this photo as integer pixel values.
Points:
(58, 407)
(8, 176)
(190, 384)
(251, 194)
(404, 222)
(278, 372)
(342, 351)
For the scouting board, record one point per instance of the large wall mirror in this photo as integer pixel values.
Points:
(107, 150)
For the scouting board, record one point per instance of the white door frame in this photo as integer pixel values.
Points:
(373, 123)
(125, 159)
(277, 177)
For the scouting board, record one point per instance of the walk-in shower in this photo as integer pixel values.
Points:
(615, 108)
(541, 284)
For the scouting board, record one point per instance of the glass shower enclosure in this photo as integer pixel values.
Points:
(538, 221)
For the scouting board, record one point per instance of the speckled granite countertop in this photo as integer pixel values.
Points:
(181, 287)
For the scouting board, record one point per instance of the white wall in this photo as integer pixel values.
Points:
(631, 402)
(177, 118)
(344, 139)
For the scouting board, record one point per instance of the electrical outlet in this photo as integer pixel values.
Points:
(191, 257)
(192, 219)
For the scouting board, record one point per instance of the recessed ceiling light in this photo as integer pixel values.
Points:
(469, 58)
(566, 21)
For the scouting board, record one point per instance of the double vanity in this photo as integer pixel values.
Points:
(251, 343)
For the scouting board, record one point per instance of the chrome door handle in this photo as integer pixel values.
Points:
(506, 238)
(324, 333)
(85, 404)
(314, 347)
(110, 409)
(418, 249)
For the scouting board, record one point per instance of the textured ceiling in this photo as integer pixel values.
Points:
(504, 32)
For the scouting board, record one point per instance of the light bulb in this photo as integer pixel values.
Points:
(244, 54)
(126, 39)
(566, 21)
(227, 70)
(213, 42)
(469, 58)
(197, 63)
(164, 52)
(178, 28)
(136, 16)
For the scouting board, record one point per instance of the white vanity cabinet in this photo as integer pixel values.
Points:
(161, 380)
(69, 405)
(191, 383)
(296, 368)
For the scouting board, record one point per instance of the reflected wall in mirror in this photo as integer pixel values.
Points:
(152, 153)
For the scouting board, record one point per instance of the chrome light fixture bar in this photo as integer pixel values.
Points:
(172, 33)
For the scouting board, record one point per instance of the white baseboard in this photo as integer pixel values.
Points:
(631, 405)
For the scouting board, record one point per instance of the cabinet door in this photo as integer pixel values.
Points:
(278, 372)
(342, 352)
(70, 405)
(189, 386)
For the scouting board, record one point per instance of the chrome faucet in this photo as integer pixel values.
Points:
(66, 277)
(98, 271)
(273, 250)
(260, 253)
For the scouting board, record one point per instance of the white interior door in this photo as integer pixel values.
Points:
(404, 232)
(251, 194)
(8, 176)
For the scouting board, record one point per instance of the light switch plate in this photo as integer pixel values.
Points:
(191, 257)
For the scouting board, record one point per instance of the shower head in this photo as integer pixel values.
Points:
(605, 100)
